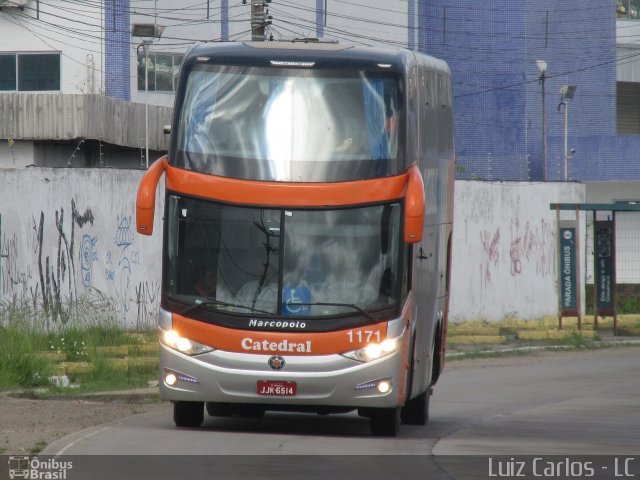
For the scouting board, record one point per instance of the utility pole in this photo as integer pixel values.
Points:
(542, 68)
(567, 92)
(145, 46)
(259, 20)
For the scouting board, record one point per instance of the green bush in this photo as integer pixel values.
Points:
(627, 299)
(20, 362)
(27, 331)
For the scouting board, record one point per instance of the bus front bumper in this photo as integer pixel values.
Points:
(302, 380)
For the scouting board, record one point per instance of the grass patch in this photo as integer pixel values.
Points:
(31, 345)
(38, 447)
(21, 365)
(490, 354)
(574, 341)
(578, 342)
(627, 299)
(107, 376)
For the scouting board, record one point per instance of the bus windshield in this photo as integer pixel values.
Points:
(290, 124)
(310, 263)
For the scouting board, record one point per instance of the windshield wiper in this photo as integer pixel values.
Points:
(207, 303)
(330, 304)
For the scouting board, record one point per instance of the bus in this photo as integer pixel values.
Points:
(306, 250)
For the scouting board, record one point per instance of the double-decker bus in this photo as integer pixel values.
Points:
(307, 232)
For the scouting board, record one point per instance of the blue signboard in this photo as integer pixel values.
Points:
(295, 300)
(568, 276)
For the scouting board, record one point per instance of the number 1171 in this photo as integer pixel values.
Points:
(360, 336)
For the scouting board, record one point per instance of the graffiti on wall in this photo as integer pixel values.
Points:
(76, 256)
(490, 254)
(534, 246)
(57, 273)
(16, 277)
(88, 256)
(147, 300)
(139, 299)
(531, 249)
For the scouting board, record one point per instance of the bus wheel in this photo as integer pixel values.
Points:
(188, 414)
(385, 422)
(416, 410)
(216, 409)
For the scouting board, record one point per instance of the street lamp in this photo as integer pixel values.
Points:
(567, 92)
(146, 30)
(542, 68)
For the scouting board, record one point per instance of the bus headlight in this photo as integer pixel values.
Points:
(172, 339)
(373, 351)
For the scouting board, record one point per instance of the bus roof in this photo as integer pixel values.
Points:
(323, 54)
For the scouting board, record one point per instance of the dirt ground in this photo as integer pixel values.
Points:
(28, 425)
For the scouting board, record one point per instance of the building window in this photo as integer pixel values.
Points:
(628, 108)
(628, 9)
(163, 71)
(30, 72)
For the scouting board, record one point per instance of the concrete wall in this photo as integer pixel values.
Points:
(16, 153)
(69, 234)
(30, 116)
(504, 249)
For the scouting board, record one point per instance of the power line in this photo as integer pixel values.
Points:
(472, 19)
(582, 69)
(339, 31)
(304, 25)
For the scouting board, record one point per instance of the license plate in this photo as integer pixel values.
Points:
(276, 389)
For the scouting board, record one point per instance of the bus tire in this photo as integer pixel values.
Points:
(416, 410)
(188, 414)
(385, 422)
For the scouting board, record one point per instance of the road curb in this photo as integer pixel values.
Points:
(506, 350)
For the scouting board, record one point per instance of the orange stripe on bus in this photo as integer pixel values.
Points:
(286, 194)
(279, 343)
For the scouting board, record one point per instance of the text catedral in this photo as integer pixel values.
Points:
(283, 346)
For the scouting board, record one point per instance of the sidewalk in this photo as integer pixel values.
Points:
(511, 334)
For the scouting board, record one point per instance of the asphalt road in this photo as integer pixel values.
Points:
(572, 405)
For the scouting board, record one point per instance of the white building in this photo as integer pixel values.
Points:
(85, 50)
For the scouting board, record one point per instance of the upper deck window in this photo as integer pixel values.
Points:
(290, 125)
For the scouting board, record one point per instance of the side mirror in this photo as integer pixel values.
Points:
(414, 204)
(146, 200)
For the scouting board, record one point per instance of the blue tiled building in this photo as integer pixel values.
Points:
(492, 48)
(117, 37)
